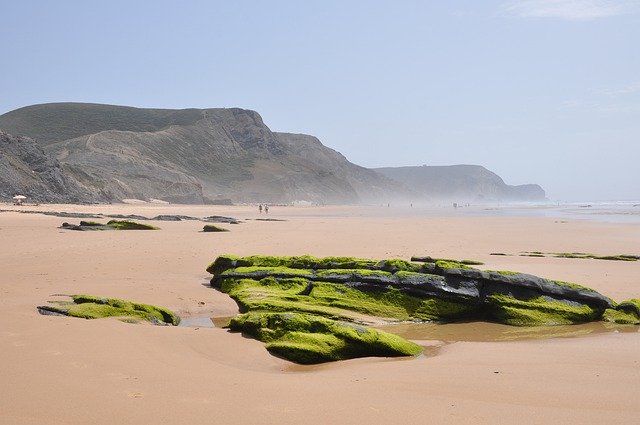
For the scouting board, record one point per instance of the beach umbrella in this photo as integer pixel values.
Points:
(19, 197)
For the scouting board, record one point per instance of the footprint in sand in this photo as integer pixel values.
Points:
(133, 395)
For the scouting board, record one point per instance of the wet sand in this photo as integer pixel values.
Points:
(73, 371)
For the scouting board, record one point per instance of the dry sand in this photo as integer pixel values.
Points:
(70, 371)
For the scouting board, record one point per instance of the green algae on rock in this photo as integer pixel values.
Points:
(584, 255)
(110, 225)
(130, 225)
(307, 338)
(627, 312)
(213, 228)
(540, 311)
(366, 291)
(94, 307)
(578, 255)
(444, 290)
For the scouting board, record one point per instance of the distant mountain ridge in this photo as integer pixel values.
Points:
(111, 153)
(461, 183)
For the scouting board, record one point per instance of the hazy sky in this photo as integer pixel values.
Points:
(544, 91)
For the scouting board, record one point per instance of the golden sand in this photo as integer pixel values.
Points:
(71, 371)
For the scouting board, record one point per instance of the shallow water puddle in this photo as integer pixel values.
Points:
(204, 322)
(492, 332)
(196, 322)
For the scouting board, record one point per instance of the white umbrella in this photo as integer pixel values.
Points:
(19, 197)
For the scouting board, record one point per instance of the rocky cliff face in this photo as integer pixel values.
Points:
(461, 183)
(194, 155)
(202, 155)
(368, 185)
(26, 169)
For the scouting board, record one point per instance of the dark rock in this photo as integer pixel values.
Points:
(47, 310)
(71, 215)
(221, 219)
(423, 259)
(84, 226)
(167, 218)
(170, 217)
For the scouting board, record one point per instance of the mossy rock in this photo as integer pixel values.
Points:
(324, 299)
(357, 289)
(585, 255)
(225, 262)
(94, 307)
(90, 223)
(130, 225)
(395, 265)
(213, 228)
(632, 306)
(426, 259)
(620, 317)
(539, 311)
(627, 312)
(111, 225)
(450, 264)
(308, 339)
(435, 309)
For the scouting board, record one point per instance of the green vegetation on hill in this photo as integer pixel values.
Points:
(52, 122)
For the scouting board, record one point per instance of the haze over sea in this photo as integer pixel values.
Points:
(603, 211)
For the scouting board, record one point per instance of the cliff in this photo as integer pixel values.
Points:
(461, 183)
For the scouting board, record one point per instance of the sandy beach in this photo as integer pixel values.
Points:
(64, 370)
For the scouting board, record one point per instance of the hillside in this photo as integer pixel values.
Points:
(194, 155)
(461, 183)
(27, 170)
(51, 122)
(111, 153)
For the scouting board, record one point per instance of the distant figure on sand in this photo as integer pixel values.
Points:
(266, 209)
(260, 208)
(18, 199)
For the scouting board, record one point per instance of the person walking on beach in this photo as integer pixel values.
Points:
(266, 209)
(260, 208)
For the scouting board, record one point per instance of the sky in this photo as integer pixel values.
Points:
(538, 91)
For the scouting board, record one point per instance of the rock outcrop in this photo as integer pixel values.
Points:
(110, 225)
(362, 290)
(93, 307)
